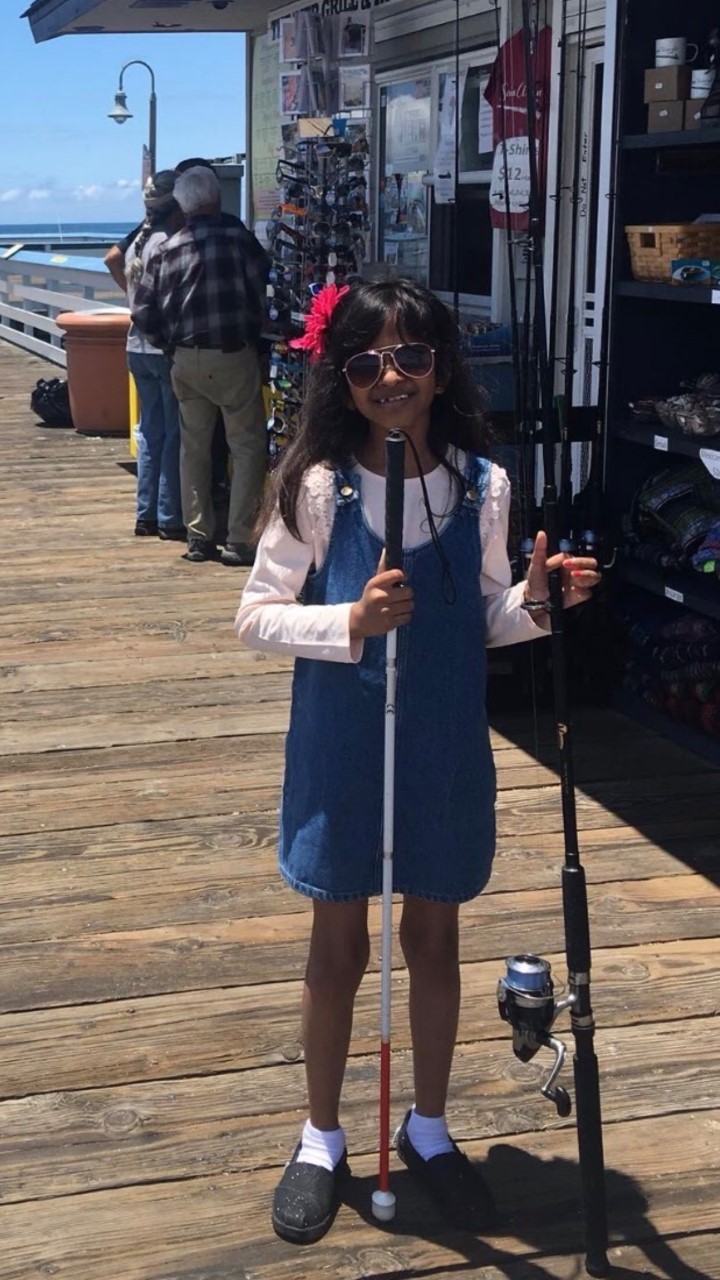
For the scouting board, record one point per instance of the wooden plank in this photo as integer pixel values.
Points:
(180, 954)
(218, 1226)
(229, 1028)
(126, 878)
(273, 947)
(245, 1120)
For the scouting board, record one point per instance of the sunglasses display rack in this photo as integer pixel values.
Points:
(316, 236)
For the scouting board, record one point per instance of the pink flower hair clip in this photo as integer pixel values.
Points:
(318, 319)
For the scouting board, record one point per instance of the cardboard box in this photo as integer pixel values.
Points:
(666, 117)
(701, 271)
(693, 107)
(667, 84)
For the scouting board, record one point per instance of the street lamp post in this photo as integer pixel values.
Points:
(120, 112)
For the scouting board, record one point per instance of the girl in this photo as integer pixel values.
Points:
(386, 356)
(159, 510)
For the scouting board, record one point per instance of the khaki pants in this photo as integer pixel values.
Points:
(205, 381)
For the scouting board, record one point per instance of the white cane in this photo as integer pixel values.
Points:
(383, 1200)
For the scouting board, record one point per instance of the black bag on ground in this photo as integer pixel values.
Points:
(51, 402)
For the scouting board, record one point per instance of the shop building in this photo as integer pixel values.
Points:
(630, 315)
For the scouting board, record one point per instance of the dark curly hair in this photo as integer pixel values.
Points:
(332, 429)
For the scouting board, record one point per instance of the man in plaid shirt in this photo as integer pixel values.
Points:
(201, 299)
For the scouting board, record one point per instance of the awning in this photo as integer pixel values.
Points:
(51, 18)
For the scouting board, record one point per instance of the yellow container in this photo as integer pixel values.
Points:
(134, 415)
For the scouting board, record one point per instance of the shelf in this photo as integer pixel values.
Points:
(702, 596)
(697, 293)
(650, 434)
(688, 138)
(629, 704)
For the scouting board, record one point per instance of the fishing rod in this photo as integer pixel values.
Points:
(559, 187)
(523, 420)
(565, 405)
(383, 1199)
(587, 504)
(526, 998)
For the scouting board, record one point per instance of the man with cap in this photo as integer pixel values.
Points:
(159, 509)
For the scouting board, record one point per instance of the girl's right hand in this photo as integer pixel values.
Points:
(385, 603)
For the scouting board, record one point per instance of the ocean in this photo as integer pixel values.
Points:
(65, 230)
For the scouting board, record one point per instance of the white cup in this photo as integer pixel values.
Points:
(673, 51)
(701, 83)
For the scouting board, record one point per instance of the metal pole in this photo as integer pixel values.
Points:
(152, 130)
(152, 145)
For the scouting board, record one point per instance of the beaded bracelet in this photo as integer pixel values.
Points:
(536, 606)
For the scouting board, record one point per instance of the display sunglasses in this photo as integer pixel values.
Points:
(411, 360)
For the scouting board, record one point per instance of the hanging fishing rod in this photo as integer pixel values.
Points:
(587, 504)
(523, 407)
(565, 405)
(526, 995)
(559, 187)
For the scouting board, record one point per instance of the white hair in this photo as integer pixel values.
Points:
(196, 188)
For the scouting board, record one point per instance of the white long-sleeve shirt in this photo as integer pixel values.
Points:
(270, 617)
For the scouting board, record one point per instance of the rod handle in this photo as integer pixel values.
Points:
(394, 496)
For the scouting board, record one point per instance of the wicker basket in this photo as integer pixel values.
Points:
(652, 249)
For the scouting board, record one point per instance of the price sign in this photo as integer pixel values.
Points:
(662, 443)
(677, 596)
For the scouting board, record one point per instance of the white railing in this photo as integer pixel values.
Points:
(37, 287)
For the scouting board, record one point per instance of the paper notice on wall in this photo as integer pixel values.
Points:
(445, 155)
(485, 122)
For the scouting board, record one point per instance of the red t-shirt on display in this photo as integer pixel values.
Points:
(507, 94)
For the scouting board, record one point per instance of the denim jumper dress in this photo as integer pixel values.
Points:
(332, 804)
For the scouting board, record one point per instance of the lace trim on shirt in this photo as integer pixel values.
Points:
(319, 493)
(492, 506)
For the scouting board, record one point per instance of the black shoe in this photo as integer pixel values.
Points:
(146, 528)
(306, 1199)
(172, 532)
(199, 549)
(455, 1184)
(238, 553)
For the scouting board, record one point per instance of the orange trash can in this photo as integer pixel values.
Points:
(97, 370)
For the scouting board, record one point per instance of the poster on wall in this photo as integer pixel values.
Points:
(353, 87)
(265, 131)
(288, 49)
(353, 38)
(506, 93)
(290, 82)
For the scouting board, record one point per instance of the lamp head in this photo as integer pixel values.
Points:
(120, 111)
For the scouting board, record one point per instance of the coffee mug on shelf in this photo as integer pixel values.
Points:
(673, 52)
(701, 82)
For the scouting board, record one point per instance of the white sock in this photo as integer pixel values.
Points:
(323, 1147)
(429, 1135)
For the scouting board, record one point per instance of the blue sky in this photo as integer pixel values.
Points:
(62, 159)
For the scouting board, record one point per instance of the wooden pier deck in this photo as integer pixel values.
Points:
(151, 960)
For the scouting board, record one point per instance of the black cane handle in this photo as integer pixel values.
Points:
(394, 495)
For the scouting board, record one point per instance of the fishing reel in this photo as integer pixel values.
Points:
(526, 1001)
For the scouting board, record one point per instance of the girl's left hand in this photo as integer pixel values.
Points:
(579, 574)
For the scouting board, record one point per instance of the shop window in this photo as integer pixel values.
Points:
(420, 230)
(404, 163)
